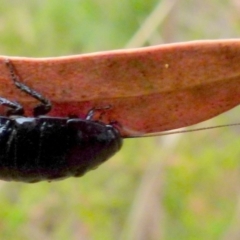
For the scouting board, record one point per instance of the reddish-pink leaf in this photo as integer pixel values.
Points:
(150, 89)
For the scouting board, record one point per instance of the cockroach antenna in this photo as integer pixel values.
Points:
(159, 134)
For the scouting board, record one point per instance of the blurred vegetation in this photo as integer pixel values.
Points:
(184, 186)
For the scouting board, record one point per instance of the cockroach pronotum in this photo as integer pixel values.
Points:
(40, 148)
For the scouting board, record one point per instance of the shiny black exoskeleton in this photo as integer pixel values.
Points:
(40, 148)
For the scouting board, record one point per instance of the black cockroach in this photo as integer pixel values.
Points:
(40, 148)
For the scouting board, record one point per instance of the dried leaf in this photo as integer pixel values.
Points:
(150, 89)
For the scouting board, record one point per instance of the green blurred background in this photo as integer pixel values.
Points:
(184, 186)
